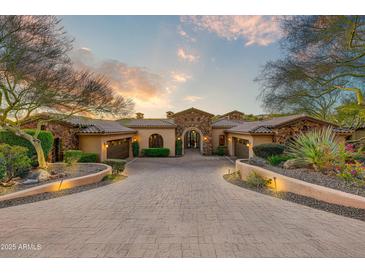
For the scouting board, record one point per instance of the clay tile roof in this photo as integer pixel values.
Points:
(149, 123)
(89, 125)
(233, 111)
(266, 126)
(226, 123)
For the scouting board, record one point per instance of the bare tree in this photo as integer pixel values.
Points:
(36, 74)
(323, 64)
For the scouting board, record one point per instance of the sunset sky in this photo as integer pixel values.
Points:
(175, 62)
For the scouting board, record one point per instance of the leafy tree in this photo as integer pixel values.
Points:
(323, 64)
(37, 75)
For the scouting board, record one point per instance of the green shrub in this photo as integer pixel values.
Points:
(256, 180)
(15, 161)
(276, 160)
(71, 157)
(135, 148)
(267, 150)
(317, 148)
(221, 151)
(117, 165)
(2, 167)
(88, 157)
(156, 152)
(77, 156)
(178, 147)
(45, 137)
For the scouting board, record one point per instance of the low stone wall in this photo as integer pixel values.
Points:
(60, 185)
(288, 184)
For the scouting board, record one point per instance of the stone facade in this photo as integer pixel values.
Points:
(234, 115)
(196, 119)
(284, 133)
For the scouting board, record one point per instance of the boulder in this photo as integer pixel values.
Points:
(30, 182)
(40, 175)
(257, 161)
(294, 163)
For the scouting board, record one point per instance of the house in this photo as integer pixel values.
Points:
(197, 129)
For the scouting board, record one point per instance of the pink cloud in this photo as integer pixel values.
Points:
(184, 55)
(259, 30)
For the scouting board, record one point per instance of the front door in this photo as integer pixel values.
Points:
(192, 139)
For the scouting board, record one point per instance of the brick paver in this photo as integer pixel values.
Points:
(177, 207)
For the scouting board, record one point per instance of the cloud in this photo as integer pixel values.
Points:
(192, 98)
(129, 81)
(186, 56)
(185, 35)
(259, 30)
(180, 77)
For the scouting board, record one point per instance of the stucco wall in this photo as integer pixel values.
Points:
(96, 143)
(216, 132)
(168, 135)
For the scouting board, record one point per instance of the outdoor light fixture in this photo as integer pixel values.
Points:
(106, 145)
(248, 144)
(205, 138)
(229, 139)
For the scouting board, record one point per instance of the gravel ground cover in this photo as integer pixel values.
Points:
(314, 177)
(51, 195)
(69, 172)
(351, 212)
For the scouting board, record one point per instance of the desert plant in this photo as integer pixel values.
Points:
(2, 167)
(267, 150)
(316, 148)
(256, 180)
(156, 152)
(14, 160)
(135, 148)
(178, 147)
(276, 160)
(117, 165)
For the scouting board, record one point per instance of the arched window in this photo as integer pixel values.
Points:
(155, 141)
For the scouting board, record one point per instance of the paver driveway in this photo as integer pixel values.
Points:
(178, 207)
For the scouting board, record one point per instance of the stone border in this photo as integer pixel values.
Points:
(60, 184)
(288, 184)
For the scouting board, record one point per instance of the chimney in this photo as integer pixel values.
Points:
(169, 114)
(139, 115)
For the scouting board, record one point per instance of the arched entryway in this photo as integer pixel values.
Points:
(192, 139)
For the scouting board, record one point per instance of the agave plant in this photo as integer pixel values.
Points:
(316, 148)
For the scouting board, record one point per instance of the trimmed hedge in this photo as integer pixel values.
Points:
(14, 161)
(117, 165)
(135, 148)
(178, 147)
(78, 156)
(156, 152)
(267, 150)
(221, 151)
(46, 138)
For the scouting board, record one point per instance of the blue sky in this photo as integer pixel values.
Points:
(173, 62)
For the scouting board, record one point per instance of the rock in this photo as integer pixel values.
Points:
(30, 181)
(257, 161)
(40, 175)
(294, 163)
(9, 183)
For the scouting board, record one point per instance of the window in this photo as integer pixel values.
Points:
(155, 141)
(222, 140)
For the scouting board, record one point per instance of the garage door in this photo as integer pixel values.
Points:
(118, 149)
(241, 149)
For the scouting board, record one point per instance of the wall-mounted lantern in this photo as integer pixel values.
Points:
(205, 138)
(106, 145)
